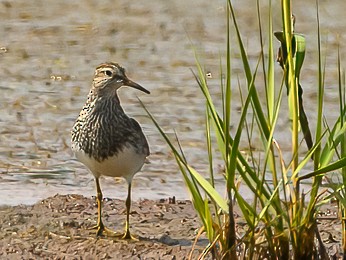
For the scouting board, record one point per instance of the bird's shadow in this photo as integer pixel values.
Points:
(167, 240)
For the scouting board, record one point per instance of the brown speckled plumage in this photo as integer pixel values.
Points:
(102, 128)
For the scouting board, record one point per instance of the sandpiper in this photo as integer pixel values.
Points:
(105, 139)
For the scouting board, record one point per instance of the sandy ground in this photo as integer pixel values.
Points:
(57, 228)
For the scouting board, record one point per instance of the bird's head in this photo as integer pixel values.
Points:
(109, 77)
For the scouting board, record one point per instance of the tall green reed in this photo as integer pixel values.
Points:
(281, 219)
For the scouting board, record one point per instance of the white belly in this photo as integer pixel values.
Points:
(125, 164)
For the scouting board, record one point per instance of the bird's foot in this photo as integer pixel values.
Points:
(128, 236)
(102, 230)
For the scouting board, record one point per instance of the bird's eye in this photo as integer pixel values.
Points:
(108, 73)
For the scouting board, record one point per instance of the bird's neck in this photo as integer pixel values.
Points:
(104, 99)
(95, 94)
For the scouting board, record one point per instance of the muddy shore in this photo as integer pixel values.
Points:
(57, 228)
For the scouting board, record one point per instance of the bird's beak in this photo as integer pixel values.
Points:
(130, 83)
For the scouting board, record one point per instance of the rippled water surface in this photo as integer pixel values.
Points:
(48, 52)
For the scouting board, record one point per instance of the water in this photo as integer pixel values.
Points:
(48, 54)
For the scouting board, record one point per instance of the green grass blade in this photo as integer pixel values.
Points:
(330, 167)
(255, 100)
(236, 141)
(213, 194)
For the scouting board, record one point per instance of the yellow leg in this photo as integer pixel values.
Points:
(100, 226)
(127, 234)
